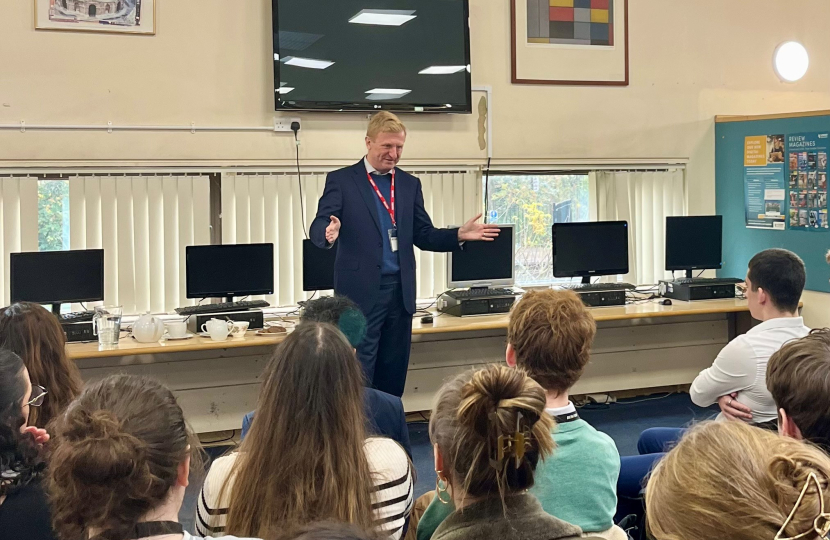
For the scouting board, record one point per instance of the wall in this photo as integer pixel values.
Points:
(210, 63)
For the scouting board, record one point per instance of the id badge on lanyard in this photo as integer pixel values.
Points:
(393, 232)
(393, 238)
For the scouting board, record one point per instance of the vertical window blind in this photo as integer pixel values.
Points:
(644, 199)
(18, 218)
(143, 223)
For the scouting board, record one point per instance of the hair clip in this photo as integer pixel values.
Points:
(512, 446)
(821, 524)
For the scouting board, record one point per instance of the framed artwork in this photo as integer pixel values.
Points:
(116, 16)
(569, 42)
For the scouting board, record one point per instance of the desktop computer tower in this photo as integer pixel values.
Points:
(696, 291)
(463, 307)
(602, 298)
(78, 331)
(254, 317)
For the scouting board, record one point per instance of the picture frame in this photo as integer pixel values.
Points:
(137, 17)
(569, 42)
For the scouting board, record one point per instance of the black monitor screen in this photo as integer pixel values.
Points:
(229, 270)
(55, 277)
(485, 261)
(590, 249)
(410, 55)
(694, 242)
(318, 267)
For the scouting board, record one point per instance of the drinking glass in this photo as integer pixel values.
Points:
(106, 324)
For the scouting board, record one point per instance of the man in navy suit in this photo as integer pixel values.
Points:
(375, 212)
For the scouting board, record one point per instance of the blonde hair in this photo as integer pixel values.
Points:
(472, 411)
(384, 122)
(732, 480)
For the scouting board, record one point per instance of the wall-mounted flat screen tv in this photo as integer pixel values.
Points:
(370, 55)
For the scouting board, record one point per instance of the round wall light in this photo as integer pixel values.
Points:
(790, 61)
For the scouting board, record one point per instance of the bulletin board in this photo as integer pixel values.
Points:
(774, 195)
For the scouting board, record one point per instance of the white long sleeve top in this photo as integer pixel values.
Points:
(741, 367)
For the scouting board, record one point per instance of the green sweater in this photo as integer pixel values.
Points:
(577, 484)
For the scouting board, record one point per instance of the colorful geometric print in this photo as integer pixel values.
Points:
(571, 22)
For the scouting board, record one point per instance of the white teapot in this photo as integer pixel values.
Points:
(148, 328)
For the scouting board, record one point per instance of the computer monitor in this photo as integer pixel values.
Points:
(229, 270)
(483, 264)
(597, 248)
(318, 267)
(57, 277)
(694, 243)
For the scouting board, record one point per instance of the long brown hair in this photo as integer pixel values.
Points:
(472, 411)
(732, 480)
(303, 459)
(116, 455)
(36, 336)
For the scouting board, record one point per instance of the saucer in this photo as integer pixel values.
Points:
(186, 336)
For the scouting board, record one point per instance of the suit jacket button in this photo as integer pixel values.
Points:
(378, 267)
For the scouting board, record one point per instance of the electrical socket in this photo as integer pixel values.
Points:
(284, 124)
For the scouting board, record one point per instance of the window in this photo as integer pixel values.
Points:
(53, 215)
(533, 203)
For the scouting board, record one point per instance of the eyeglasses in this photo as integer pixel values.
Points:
(39, 394)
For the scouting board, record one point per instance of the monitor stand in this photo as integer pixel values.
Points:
(56, 309)
(586, 280)
(229, 299)
(689, 274)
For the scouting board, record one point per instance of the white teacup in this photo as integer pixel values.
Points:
(239, 328)
(176, 329)
(218, 329)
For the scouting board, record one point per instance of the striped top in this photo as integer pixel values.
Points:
(392, 500)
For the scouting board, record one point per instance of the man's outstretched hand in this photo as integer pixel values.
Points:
(472, 231)
(333, 230)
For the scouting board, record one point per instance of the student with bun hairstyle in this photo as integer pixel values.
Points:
(35, 335)
(121, 460)
(489, 429)
(732, 480)
(24, 512)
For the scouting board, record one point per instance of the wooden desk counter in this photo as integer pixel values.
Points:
(637, 346)
(441, 324)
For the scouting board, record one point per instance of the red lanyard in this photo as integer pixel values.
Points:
(389, 209)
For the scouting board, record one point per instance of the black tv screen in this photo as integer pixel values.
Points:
(405, 55)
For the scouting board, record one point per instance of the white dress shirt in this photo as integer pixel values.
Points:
(372, 170)
(741, 367)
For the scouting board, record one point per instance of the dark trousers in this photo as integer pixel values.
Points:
(384, 352)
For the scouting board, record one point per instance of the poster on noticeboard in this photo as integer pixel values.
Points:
(764, 183)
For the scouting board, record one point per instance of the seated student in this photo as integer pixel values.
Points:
(489, 429)
(35, 335)
(737, 379)
(307, 457)
(798, 377)
(24, 511)
(734, 481)
(384, 411)
(121, 460)
(549, 336)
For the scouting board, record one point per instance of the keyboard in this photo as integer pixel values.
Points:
(481, 293)
(204, 309)
(708, 281)
(76, 316)
(588, 287)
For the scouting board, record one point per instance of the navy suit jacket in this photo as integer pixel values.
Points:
(384, 414)
(349, 197)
